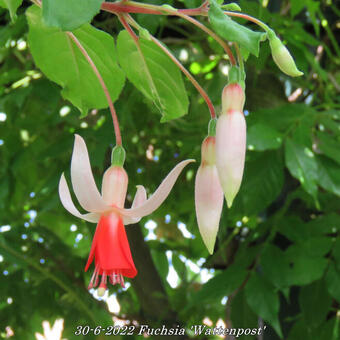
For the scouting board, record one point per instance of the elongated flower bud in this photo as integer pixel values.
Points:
(231, 141)
(114, 186)
(208, 195)
(282, 57)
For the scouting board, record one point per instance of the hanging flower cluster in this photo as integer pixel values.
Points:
(222, 164)
(223, 150)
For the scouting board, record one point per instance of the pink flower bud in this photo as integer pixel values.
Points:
(114, 186)
(233, 98)
(282, 57)
(230, 152)
(208, 195)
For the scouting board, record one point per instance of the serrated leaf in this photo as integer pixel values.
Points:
(315, 303)
(262, 137)
(12, 6)
(232, 31)
(157, 77)
(264, 301)
(69, 14)
(302, 165)
(63, 63)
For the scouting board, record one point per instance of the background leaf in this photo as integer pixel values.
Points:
(167, 89)
(12, 6)
(302, 165)
(232, 31)
(70, 69)
(262, 298)
(69, 14)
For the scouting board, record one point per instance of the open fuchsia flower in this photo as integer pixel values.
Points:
(208, 194)
(110, 247)
(231, 141)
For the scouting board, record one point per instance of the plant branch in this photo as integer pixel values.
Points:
(135, 7)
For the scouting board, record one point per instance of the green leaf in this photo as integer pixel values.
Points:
(12, 6)
(154, 74)
(161, 262)
(266, 181)
(329, 146)
(305, 268)
(276, 266)
(69, 68)
(315, 303)
(264, 301)
(333, 281)
(220, 285)
(262, 137)
(302, 165)
(69, 14)
(329, 175)
(241, 314)
(232, 31)
(179, 266)
(336, 253)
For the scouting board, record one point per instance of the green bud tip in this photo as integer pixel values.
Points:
(212, 127)
(166, 6)
(234, 7)
(145, 34)
(281, 56)
(118, 156)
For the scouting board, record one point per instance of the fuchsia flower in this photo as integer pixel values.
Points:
(208, 195)
(110, 247)
(231, 141)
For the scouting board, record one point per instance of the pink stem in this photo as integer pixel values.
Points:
(117, 8)
(189, 76)
(102, 83)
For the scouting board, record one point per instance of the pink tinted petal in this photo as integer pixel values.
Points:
(139, 199)
(83, 182)
(158, 196)
(230, 152)
(66, 200)
(208, 203)
(114, 186)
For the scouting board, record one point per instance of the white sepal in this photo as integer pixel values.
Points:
(83, 182)
(66, 200)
